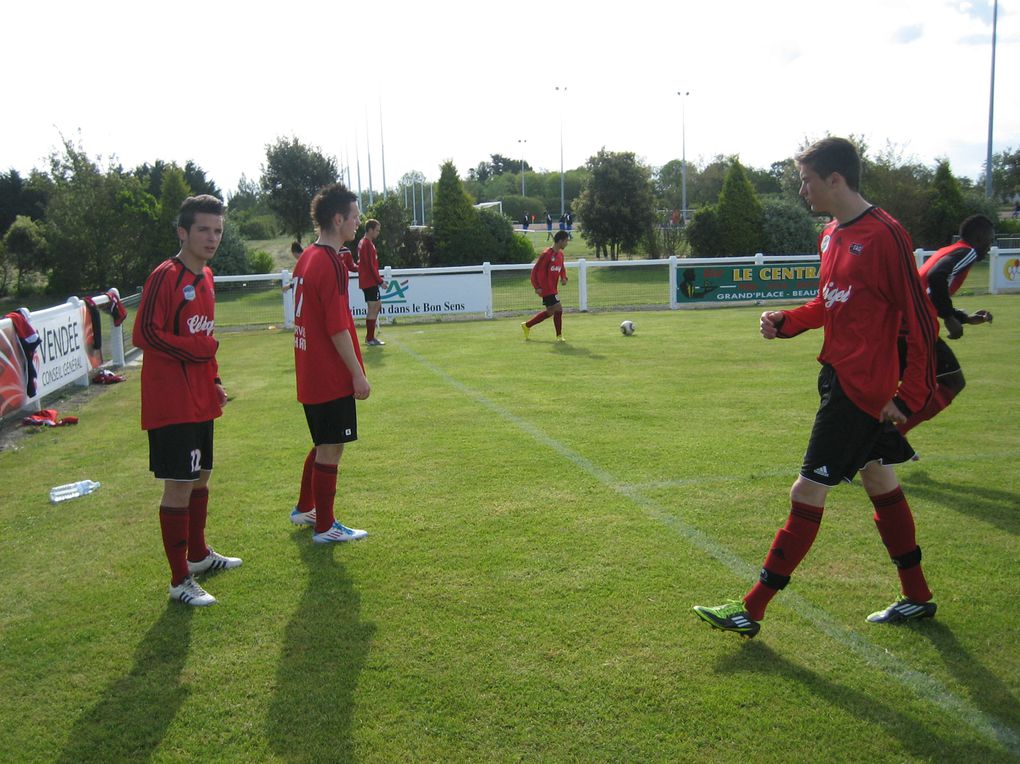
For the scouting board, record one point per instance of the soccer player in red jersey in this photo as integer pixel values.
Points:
(868, 284)
(182, 393)
(942, 275)
(327, 360)
(546, 276)
(369, 278)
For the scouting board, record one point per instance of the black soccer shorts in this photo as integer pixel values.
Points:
(844, 438)
(332, 422)
(371, 294)
(180, 451)
(550, 299)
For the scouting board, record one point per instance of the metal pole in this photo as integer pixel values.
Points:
(357, 162)
(382, 148)
(368, 150)
(563, 206)
(991, 103)
(522, 141)
(683, 156)
(423, 201)
(414, 204)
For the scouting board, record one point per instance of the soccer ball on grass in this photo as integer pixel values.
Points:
(627, 328)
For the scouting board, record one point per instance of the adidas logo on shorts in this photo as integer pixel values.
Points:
(823, 471)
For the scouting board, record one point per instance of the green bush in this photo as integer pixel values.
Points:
(789, 228)
(739, 214)
(509, 247)
(232, 256)
(258, 227)
(703, 233)
(1007, 227)
(261, 262)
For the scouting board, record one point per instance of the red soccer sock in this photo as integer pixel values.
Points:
(558, 322)
(790, 546)
(324, 487)
(895, 525)
(173, 523)
(537, 319)
(198, 510)
(369, 329)
(943, 397)
(306, 499)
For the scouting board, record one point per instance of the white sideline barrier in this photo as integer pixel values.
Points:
(61, 359)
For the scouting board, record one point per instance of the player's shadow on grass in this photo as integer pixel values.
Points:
(921, 741)
(129, 721)
(324, 650)
(987, 690)
(988, 504)
(565, 348)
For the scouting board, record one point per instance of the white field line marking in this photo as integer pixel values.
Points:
(924, 686)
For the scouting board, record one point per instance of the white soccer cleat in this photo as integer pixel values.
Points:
(339, 532)
(213, 561)
(302, 518)
(190, 593)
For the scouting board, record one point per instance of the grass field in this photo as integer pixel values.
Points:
(542, 518)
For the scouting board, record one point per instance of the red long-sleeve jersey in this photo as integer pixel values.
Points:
(546, 273)
(868, 288)
(944, 273)
(174, 327)
(368, 264)
(322, 309)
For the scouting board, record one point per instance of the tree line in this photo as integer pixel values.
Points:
(77, 226)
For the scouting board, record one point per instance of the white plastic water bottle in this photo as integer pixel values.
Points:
(72, 490)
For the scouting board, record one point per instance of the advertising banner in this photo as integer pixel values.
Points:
(436, 294)
(1006, 273)
(63, 354)
(736, 283)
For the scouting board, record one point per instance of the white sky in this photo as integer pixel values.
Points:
(215, 82)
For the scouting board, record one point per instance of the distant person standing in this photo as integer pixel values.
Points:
(570, 225)
(525, 221)
(182, 393)
(295, 251)
(547, 274)
(327, 360)
(942, 275)
(548, 226)
(369, 279)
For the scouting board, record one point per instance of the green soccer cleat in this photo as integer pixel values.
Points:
(729, 617)
(904, 610)
(526, 329)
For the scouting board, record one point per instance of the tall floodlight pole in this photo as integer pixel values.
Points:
(522, 141)
(563, 206)
(368, 151)
(683, 153)
(382, 148)
(991, 104)
(423, 221)
(357, 164)
(414, 203)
